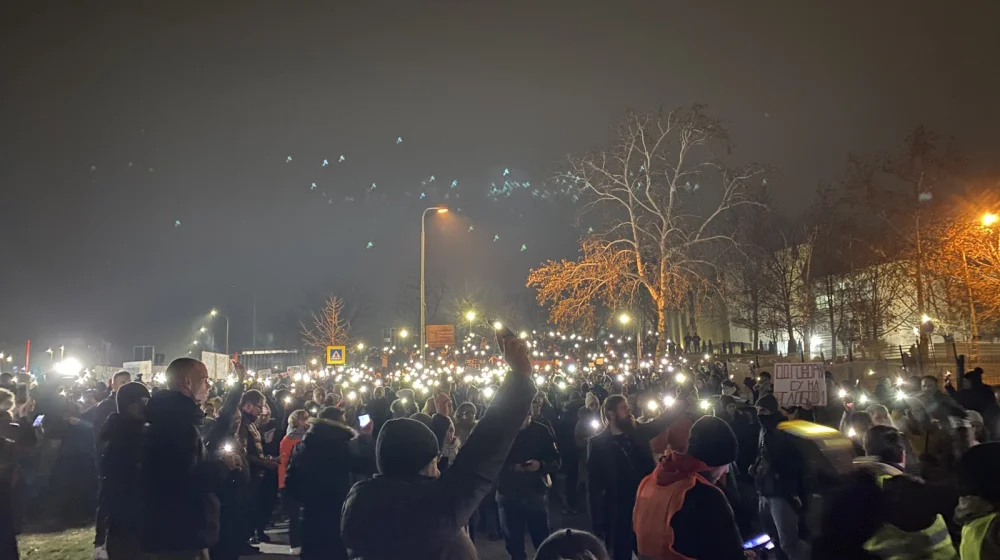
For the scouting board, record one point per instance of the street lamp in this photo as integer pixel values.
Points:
(51, 357)
(62, 352)
(470, 316)
(989, 219)
(215, 312)
(403, 333)
(361, 346)
(423, 301)
(624, 318)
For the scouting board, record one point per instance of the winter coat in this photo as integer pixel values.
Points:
(319, 477)
(288, 443)
(425, 516)
(121, 482)
(615, 467)
(533, 442)
(181, 511)
(101, 413)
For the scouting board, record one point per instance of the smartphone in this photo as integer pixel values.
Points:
(364, 420)
(757, 542)
(501, 328)
(38, 421)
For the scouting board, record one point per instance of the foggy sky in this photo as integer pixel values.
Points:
(213, 96)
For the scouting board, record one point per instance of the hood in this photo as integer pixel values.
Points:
(173, 407)
(118, 426)
(677, 466)
(321, 429)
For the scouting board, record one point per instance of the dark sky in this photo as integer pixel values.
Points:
(208, 98)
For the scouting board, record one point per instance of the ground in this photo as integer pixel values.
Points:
(77, 544)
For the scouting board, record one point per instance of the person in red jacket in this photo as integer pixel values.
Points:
(298, 423)
(680, 513)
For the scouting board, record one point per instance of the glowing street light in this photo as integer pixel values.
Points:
(202, 330)
(361, 346)
(989, 219)
(624, 318)
(214, 313)
(423, 300)
(403, 333)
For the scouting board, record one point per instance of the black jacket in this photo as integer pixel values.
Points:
(705, 526)
(778, 470)
(420, 517)
(121, 482)
(319, 477)
(533, 442)
(181, 510)
(102, 412)
(615, 467)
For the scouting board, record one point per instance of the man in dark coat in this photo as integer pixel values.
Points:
(121, 483)
(319, 477)
(426, 510)
(180, 517)
(618, 459)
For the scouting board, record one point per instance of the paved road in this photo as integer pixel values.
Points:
(488, 550)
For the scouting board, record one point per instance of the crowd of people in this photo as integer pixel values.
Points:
(667, 460)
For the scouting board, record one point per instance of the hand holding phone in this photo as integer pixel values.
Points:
(364, 420)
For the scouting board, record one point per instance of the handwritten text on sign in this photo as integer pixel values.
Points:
(799, 384)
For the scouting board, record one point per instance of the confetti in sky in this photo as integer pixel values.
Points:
(432, 178)
(524, 247)
(288, 159)
(313, 187)
(472, 228)
(454, 183)
(370, 245)
(399, 140)
(177, 223)
(590, 230)
(423, 196)
(372, 187)
(342, 158)
(496, 238)
(326, 162)
(93, 168)
(506, 171)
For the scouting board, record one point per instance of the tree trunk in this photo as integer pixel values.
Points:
(829, 310)
(661, 327)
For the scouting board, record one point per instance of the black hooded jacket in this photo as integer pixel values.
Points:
(319, 477)
(121, 483)
(181, 511)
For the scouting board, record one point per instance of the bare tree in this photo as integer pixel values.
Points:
(408, 301)
(660, 196)
(329, 327)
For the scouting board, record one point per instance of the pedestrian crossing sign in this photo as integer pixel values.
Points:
(336, 355)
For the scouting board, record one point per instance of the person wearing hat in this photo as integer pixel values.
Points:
(679, 511)
(119, 496)
(319, 477)
(778, 474)
(979, 502)
(412, 510)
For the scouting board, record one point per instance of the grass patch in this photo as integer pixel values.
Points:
(72, 544)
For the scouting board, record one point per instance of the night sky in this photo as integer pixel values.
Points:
(207, 100)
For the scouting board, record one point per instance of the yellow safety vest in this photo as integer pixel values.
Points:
(973, 535)
(930, 543)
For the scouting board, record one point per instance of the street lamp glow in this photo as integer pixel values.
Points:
(201, 329)
(361, 346)
(925, 318)
(498, 325)
(403, 333)
(470, 316)
(213, 313)
(989, 219)
(195, 342)
(442, 210)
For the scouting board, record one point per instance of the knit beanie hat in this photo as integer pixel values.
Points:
(130, 393)
(768, 402)
(571, 543)
(712, 441)
(404, 447)
(977, 472)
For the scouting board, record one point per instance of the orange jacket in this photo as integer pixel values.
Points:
(661, 495)
(285, 448)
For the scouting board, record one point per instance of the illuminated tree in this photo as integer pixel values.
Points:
(659, 196)
(329, 326)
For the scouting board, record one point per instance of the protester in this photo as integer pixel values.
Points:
(319, 477)
(524, 480)
(180, 517)
(428, 510)
(448, 443)
(778, 473)
(297, 426)
(253, 405)
(979, 503)
(913, 513)
(618, 459)
(679, 512)
(465, 421)
(121, 489)
(571, 544)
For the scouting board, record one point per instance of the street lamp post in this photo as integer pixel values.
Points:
(254, 294)
(215, 312)
(470, 316)
(423, 302)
